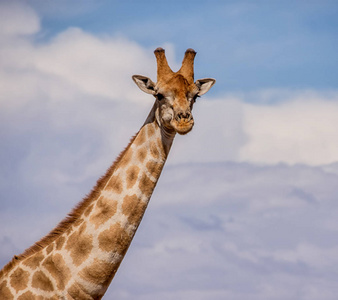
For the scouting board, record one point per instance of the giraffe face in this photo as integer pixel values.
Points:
(175, 98)
(175, 92)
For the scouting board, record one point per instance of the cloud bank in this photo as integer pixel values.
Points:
(251, 211)
(70, 80)
(236, 231)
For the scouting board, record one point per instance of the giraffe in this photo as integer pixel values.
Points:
(79, 258)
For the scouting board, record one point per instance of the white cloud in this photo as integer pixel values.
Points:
(301, 130)
(16, 18)
(220, 233)
(72, 88)
(226, 230)
(72, 66)
(100, 67)
(301, 127)
(71, 79)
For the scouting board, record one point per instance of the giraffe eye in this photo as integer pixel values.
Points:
(159, 97)
(193, 99)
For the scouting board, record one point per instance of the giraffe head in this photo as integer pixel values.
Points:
(175, 92)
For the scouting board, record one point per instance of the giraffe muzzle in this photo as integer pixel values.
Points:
(183, 122)
(184, 116)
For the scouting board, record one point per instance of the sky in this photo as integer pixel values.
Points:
(246, 207)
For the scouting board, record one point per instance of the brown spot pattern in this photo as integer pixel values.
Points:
(59, 242)
(41, 281)
(114, 239)
(78, 222)
(146, 185)
(132, 174)
(133, 208)
(154, 150)
(79, 246)
(30, 296)
(88, 210)
(19, 279)
(154, 168)
(50, 248)
(100, 272)
(33, 261)
(57, 267)
(140, 138)
(104, 210)
(82, 228)
(160, 148)
(5, 293)
(151, 130)
(115, 184)
(77, 292)
(141, 154)
(27, 296)
(126, 158)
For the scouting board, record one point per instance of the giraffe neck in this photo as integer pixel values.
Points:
(83, 258)
(115, 215)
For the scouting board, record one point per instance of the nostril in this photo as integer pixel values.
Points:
(186, 116)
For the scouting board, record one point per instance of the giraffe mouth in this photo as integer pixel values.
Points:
(181, 122)
(182, 126)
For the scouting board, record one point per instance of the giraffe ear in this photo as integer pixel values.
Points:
(145, 84)
(204, 85)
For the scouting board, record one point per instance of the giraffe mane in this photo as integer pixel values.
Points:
(72, 217)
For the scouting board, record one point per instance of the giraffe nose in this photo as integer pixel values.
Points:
(184, 116)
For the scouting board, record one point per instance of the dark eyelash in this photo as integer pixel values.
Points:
(159, 97)
(195, 97)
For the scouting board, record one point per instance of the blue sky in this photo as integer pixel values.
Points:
(253, 214)
(247, 44)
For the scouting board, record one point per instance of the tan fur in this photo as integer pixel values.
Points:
(146, 185)
(134, 207)
(154, 168)
(19, 279)
(154, 150)
(57, 267)
(141, 154)
(76, 291)
(115, 184)
(98, 274)
(66, 224)
(33, 261)
(114, 239)
(27, 296)
(70, 219)
(163, 69)
(41, 281)
(105, 209)
(60, 242)
(187, 68)
(132, 174)
(5, 293)
(80, 246)
(140, 138)
(50, 248)
(79, 258)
